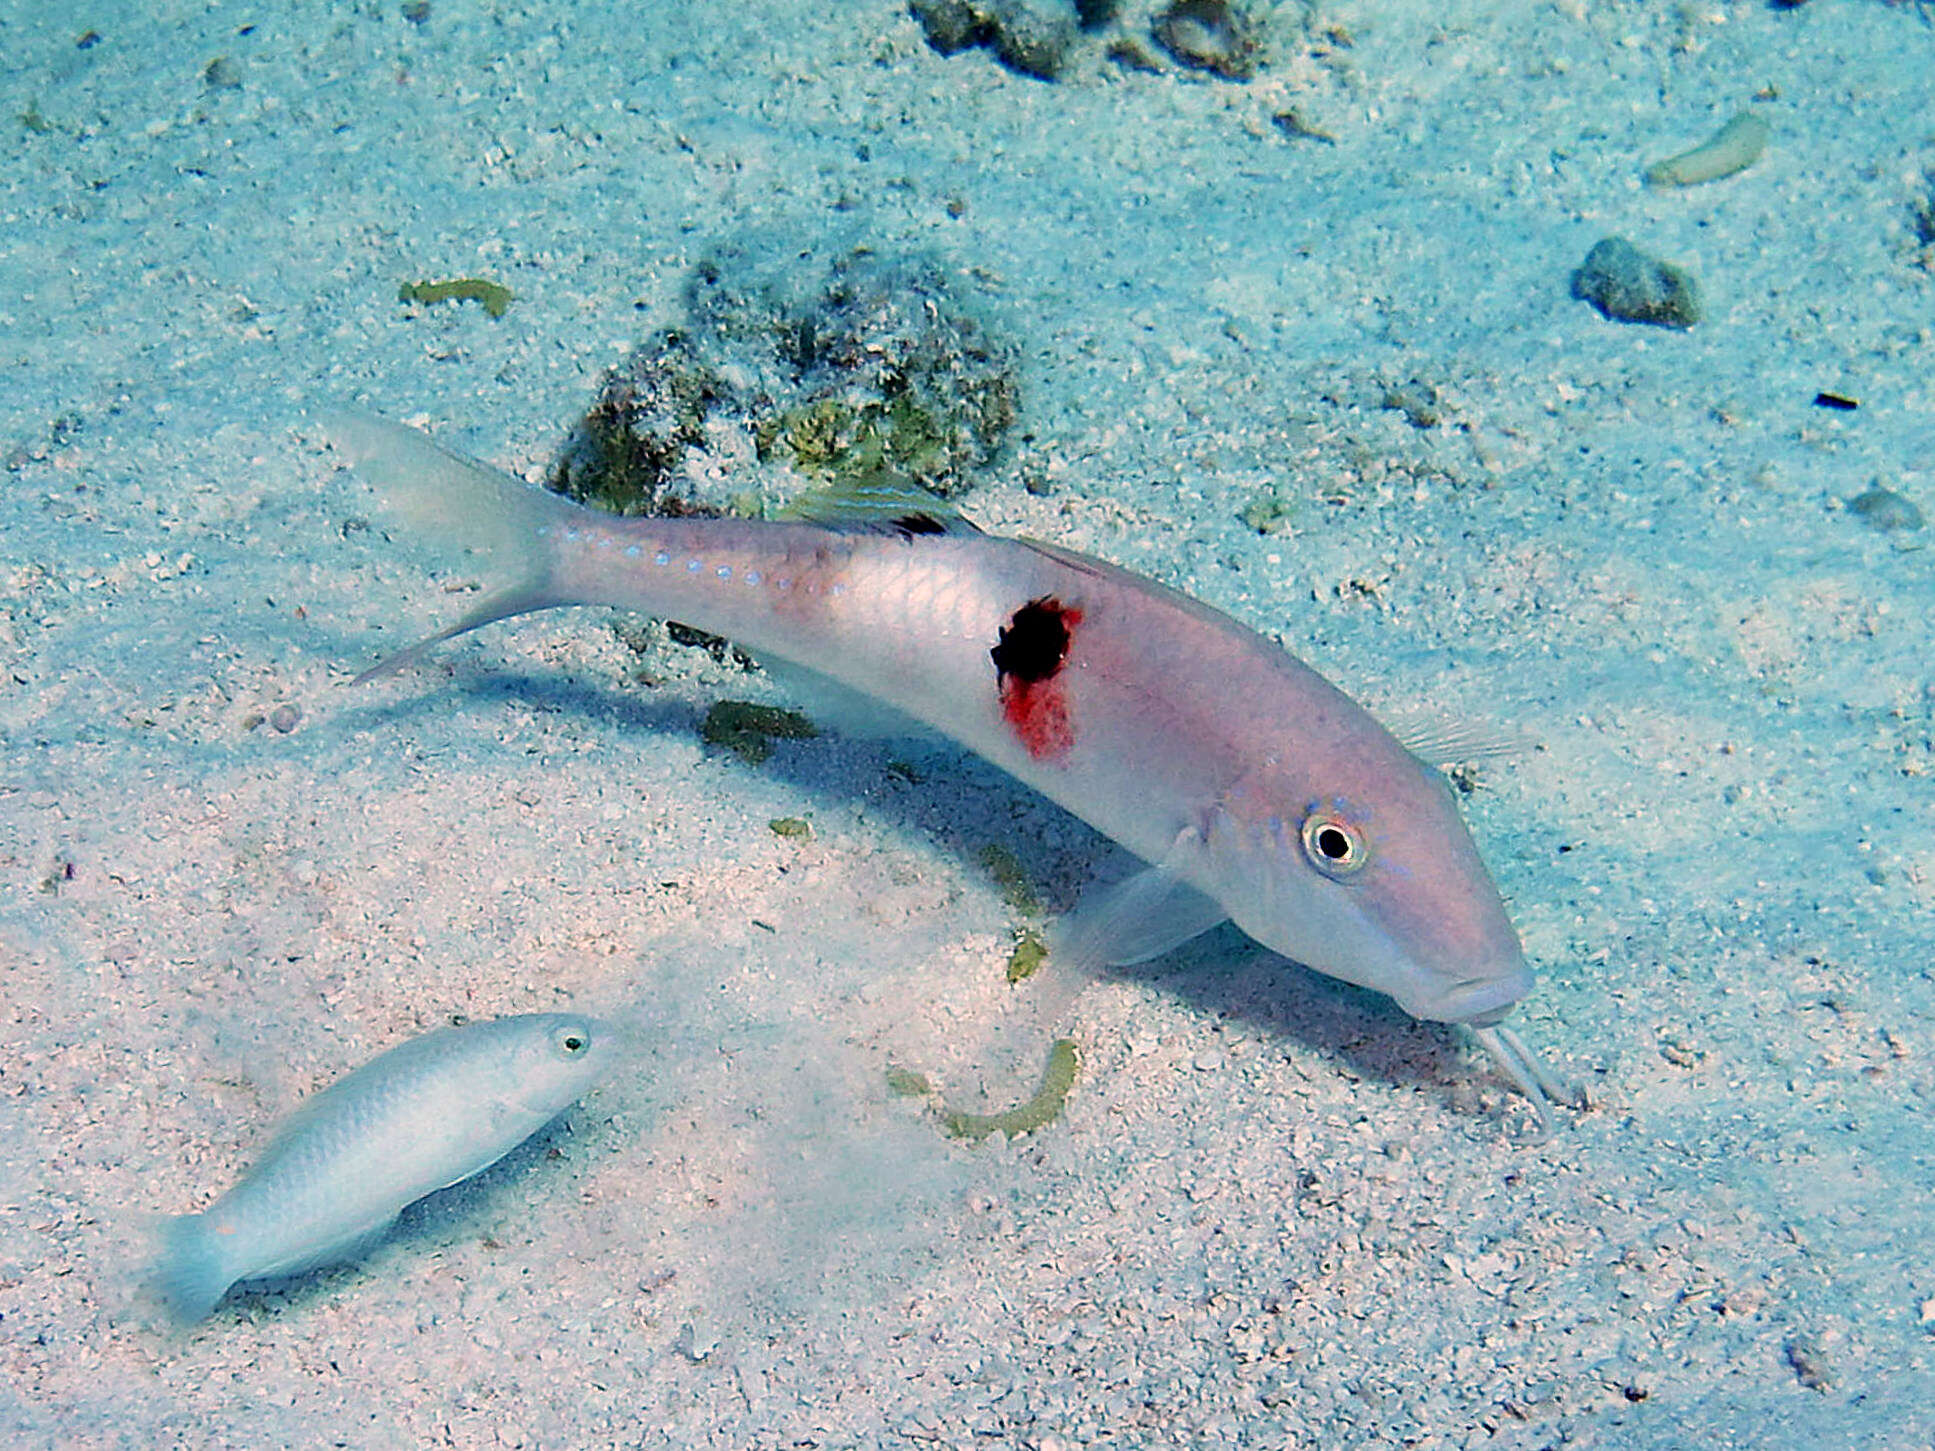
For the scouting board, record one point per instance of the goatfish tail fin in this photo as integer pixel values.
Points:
(448, 497)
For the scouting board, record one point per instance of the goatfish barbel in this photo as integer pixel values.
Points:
(1254, 789)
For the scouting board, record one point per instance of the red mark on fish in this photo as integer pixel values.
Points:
(1028, 659)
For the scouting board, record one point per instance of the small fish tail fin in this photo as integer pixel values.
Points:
(190, 1273)
(447, 497)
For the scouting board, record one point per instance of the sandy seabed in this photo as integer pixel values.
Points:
(1277, 1212)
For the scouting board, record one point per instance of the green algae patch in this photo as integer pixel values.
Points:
(793, 828)
(1030, 949)
(1012, 878)
(906, 1083)
(1029, 953)
(1269, 510)
(1037, 1113)
(1734, 147)
(749, 730)
(494, 297)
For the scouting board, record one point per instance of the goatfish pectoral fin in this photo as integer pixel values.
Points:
(457, 500)
(1540, 1085)
(1133, 921)
(1138, 918)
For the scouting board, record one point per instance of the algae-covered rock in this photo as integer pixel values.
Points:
(1030, 37)
(1627, 285)
(866, 366)
(626, 455)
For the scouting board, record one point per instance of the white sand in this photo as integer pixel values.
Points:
(1278, 1213)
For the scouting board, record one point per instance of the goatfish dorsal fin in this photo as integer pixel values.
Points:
(877, 503)
(1441, 742)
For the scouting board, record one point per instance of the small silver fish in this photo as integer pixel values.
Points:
(1256, 790)
(419, 1118)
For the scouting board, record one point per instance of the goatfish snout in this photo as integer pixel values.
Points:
(1377, 883)
(1252, 788)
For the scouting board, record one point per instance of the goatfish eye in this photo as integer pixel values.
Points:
(571, 1042)
(1334, 844)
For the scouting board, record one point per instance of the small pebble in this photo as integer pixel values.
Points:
(1627, 285)
(1291, 122)
(1810, 1366)
(284, 717)
(1882, 508)
(1210, 35)
(694, 1344)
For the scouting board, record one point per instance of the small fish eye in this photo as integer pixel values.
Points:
(572, 1042)
(1334, 844)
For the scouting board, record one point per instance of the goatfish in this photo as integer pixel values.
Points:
(1252, 789)
(421, 1117)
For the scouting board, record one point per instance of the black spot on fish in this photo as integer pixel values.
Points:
(912, 524)
(1034, 643)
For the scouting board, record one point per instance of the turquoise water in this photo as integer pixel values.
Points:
(1276, 1211)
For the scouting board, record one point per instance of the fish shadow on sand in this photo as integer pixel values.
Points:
(963, 804)
(355, 710)
(1225, 976)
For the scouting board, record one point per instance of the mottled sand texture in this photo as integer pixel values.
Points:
(1303, 346)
